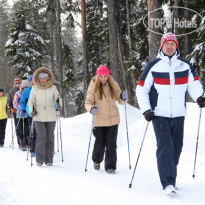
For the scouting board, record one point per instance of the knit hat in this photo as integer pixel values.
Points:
(168, 37)
(102, 70)
(1, 90)
(24, 83)
(17, 81)
(30, 78)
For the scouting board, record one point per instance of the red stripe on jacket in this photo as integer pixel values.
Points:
(196, 78)
(162, 81)
(141, 82)
(179, 81)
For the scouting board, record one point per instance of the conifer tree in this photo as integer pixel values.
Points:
(24, 47)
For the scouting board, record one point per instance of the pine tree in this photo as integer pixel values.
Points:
(5, 72)
(197, 56)
(24, 47)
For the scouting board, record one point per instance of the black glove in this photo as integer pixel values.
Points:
(58, 106)
(149, 115)
(33, 113)
(201, 101)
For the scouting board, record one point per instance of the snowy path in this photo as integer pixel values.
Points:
(67, 183)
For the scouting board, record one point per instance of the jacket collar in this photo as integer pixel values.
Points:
(164, 57)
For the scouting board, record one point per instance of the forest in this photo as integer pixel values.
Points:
(74, 37)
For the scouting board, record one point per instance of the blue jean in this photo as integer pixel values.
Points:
(169, 135)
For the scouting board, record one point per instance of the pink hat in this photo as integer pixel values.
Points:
(102, 70)
(168, 37)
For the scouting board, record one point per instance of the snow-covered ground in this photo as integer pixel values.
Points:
(67, 183)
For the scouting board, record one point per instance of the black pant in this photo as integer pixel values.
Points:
(23, 131)
(16, 120)
(2, 130)
(33, 135)
(105, 142)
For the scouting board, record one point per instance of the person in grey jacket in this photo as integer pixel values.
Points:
(41, 106)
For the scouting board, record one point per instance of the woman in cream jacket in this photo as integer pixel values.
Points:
(41, 106)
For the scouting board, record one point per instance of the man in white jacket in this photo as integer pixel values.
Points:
(161, 94)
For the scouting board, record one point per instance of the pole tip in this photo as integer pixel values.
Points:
(86, 170)
(130, 166)
(130, 185)
(193, 176)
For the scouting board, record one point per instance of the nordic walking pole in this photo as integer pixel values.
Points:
(12, 141)
(57, 134)
(24, 141)
(30, 138)
(197, 143)
(130, 185)
(60, 128)
(32, 126)
(60, 136)
(89, 144)
(127, 135)
(11, 122)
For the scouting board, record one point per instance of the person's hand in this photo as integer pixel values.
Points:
(201, 101)
(33, 113)
(58, 106)
(9, 111)
(124, 95)
(93, 110)
(149, 115)
(23, 113)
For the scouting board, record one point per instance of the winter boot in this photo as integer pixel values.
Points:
(33, 154)
(49, 164)
(39, 164)
(96, 166)
(110, 171)
(23, 149)
(169, 190)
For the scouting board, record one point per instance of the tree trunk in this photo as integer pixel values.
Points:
(114, 58)
(52, 43)
(59, 48)
(187, 40)
(153, 39)
(84, 47)
(176, 12)
(130, 76)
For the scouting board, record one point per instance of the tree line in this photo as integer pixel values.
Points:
(38, 33)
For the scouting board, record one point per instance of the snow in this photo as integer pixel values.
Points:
(9, 42)
(29, 27)
(67, 183)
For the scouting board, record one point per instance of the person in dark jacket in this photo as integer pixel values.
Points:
(161, 95)
(102, 95)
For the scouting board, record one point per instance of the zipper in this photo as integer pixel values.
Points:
(109, 101)
(170, 62)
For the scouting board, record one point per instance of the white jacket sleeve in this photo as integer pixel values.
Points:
(142, 92)
(195, 89)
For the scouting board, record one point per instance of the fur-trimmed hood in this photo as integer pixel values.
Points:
(36, 80)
